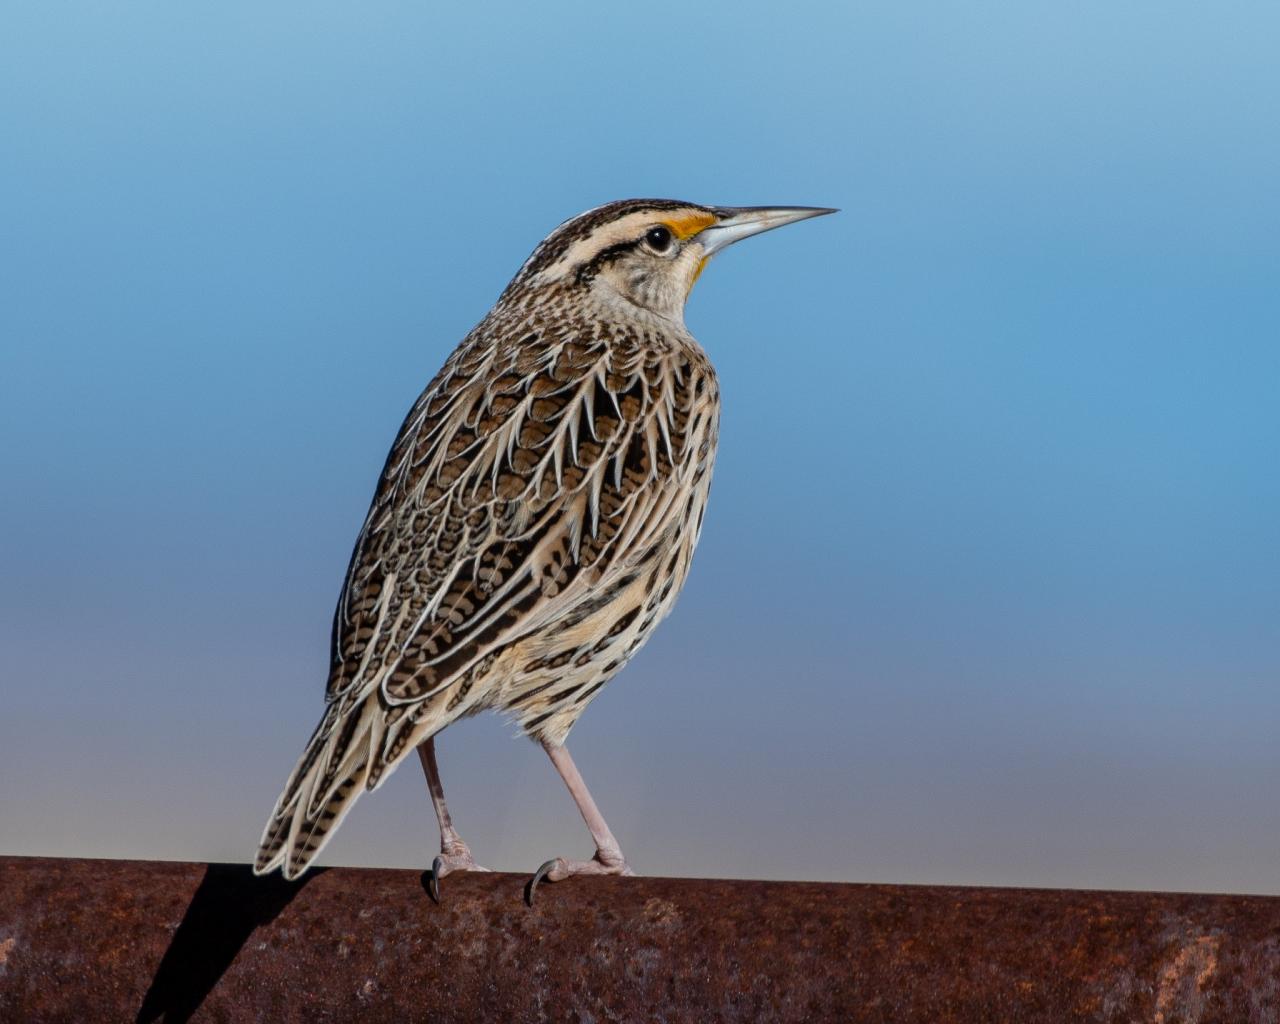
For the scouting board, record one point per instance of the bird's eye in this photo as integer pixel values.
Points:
(659, 239)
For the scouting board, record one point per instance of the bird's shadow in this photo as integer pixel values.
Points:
(229, 904)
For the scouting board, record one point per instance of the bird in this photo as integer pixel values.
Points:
(533, 523)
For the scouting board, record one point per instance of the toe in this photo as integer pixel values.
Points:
(552, 871)
(446, 864)
(433, 879)
(558, 869)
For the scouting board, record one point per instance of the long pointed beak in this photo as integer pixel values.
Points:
(737, 223)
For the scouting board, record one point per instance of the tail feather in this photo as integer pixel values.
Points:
(289, 816)
(355, 747)
(320, 791)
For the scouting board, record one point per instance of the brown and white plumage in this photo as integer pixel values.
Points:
(536, 516)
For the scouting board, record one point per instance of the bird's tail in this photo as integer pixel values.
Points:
(320, 791)
(357, 744)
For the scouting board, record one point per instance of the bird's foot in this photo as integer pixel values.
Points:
(456, 858)
(558, 869)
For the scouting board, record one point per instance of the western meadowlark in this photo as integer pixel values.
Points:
(534, 522)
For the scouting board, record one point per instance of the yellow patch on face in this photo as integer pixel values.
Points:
(690, 224)
(702, 265)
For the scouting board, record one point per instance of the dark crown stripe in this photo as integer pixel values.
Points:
(578, 228)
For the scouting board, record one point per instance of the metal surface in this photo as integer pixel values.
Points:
(84, 940)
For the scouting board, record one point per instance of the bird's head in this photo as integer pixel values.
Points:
(644, 252)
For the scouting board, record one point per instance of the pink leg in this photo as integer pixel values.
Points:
(608, 859)
(455, 855)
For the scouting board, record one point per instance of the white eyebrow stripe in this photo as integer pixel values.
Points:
(622, 230)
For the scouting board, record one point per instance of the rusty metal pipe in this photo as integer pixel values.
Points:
(96, 940)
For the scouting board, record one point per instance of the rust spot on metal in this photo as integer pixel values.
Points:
(662, 912)
(213, 942)
(1183, 981)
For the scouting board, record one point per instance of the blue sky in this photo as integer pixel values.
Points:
(989, 589)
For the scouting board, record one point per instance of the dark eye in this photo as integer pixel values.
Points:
(659, 239)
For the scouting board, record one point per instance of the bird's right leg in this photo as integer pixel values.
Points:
(455, 855)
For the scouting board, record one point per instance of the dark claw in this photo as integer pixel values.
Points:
(433, 882)
(538, 876)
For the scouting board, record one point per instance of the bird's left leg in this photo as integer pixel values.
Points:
(455, 855)
(608, 859)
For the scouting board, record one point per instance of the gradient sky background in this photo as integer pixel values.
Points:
(1013, 613)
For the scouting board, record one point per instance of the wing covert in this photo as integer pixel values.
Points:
(523, 475)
